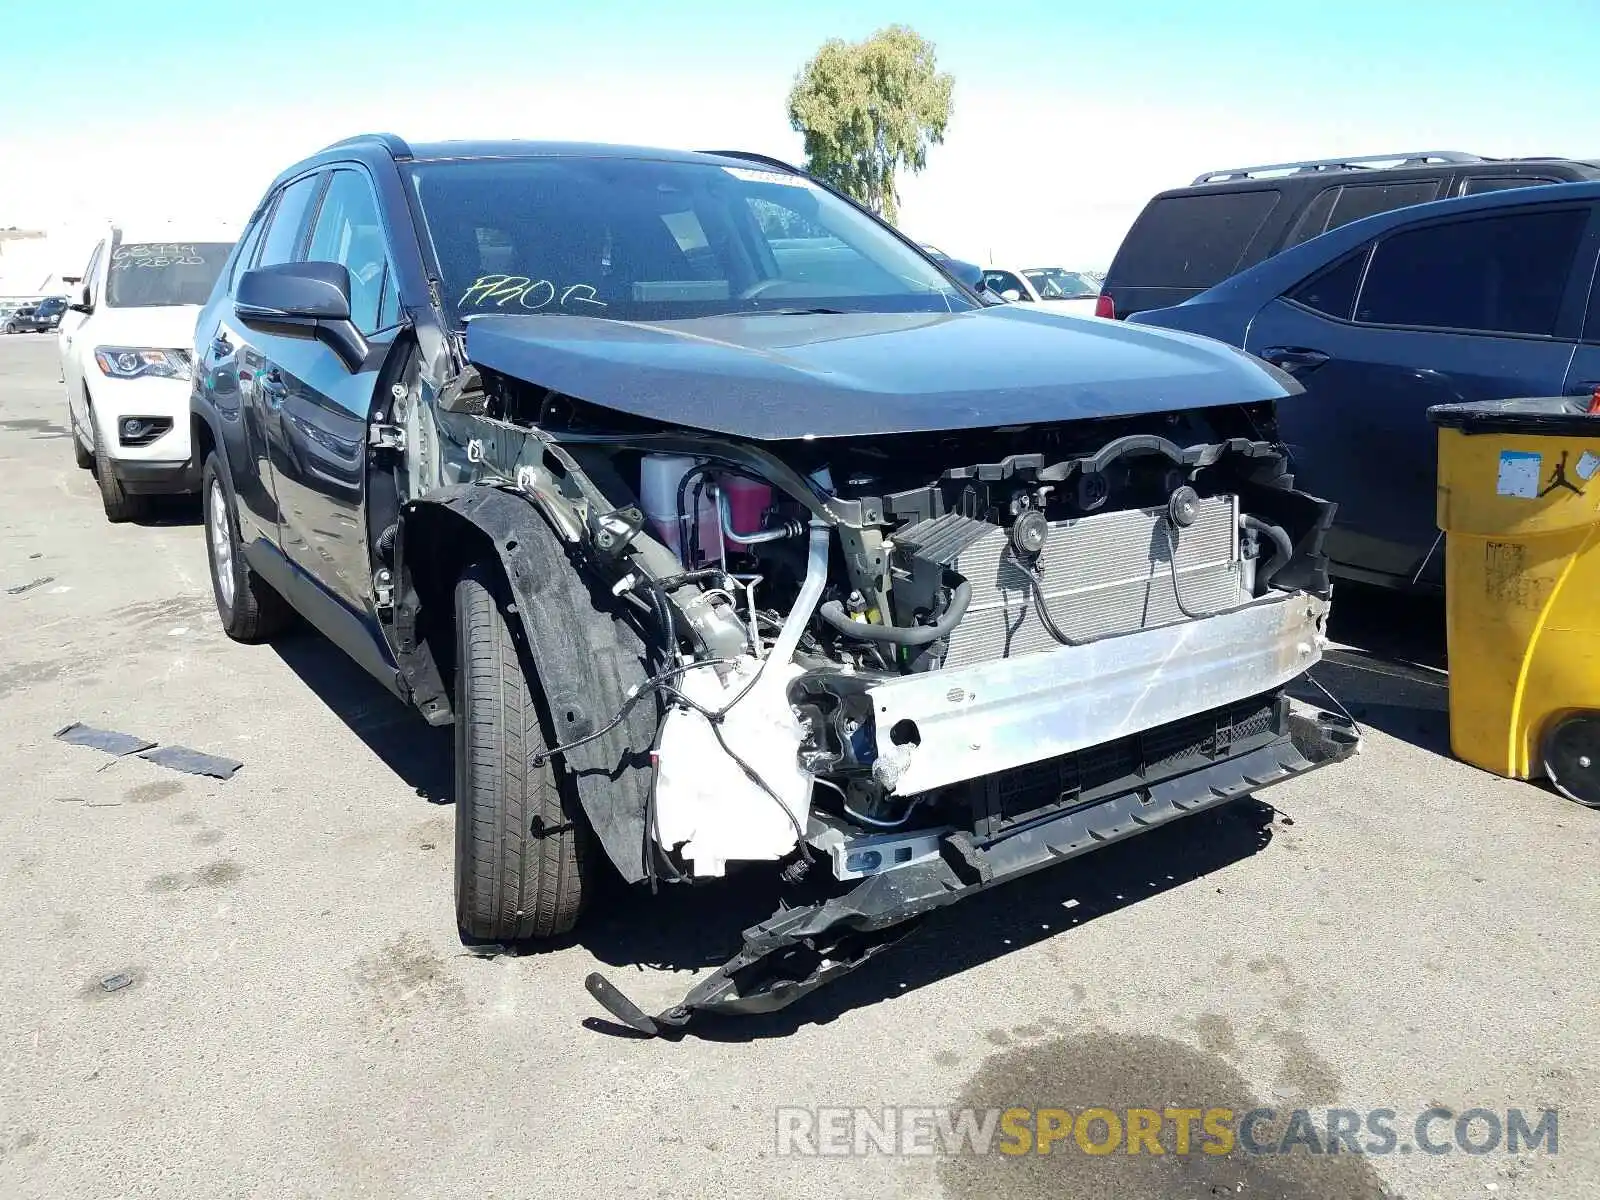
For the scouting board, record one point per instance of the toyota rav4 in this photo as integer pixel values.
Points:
(728, 528)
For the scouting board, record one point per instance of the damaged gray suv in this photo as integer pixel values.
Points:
(733, 532)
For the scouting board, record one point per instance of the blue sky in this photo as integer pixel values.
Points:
(1068, 114)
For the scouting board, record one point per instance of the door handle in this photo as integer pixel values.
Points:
(275, 389)
(1295, 358)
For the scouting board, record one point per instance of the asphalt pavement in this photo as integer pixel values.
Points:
(254, 987)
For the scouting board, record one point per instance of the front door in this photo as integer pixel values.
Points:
(240, 359)
(87, 296)
(320, 406)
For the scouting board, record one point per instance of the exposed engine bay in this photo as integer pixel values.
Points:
(850, 636)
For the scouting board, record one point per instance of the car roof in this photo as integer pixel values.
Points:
(1288, 266)
(376, 147)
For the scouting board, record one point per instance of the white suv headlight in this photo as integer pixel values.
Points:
(133, 362)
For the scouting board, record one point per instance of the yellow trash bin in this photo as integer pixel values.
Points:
(1519, 503)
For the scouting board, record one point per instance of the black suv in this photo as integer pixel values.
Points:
(1189, 238)
(727, 528)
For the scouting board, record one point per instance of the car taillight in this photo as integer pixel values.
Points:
(1594, 403)
(1104, 307)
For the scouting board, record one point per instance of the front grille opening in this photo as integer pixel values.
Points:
(1008, 799)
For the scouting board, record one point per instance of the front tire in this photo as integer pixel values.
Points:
(118, 503)
(250, 609)
(523, 847)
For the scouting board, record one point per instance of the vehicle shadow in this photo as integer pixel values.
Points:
(173, 510)
(417, 752)
(1389, 668)
(698, 927)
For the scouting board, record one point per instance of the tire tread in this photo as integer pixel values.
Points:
(512, 884)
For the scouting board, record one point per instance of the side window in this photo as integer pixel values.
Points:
(1368, 199)
(1332, 290)
(1495, 274)
(348, 231)
(288, 222)
(1476, 185)
(1000, 281)
(247, 248)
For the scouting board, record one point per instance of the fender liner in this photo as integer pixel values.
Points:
(585, 654)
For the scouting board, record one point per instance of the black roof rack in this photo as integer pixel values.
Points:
(1365, 162)
(764, 159)
(393, 143)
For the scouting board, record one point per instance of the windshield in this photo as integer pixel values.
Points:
(645, 240)
(1052, 283)
(160, 274)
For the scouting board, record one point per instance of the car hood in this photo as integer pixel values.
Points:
(169, 327)
(773, 376)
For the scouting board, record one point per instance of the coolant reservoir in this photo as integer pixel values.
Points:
(659, 476)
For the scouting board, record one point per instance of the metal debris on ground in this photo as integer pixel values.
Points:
(112, 742)
(28, 587)
(115, 983)
(181, 758)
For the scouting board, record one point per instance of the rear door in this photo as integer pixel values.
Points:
(319, 437)
(1182, 244)
(1476, 308)
(220, 338)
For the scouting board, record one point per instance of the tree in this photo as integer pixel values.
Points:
(868, 109)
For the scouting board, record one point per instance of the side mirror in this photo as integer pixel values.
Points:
(85, 304)
(1011, 294)
(303, 299)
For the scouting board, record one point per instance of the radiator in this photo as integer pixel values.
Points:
(1105, 574)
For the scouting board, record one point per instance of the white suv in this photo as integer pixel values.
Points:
(126, 346)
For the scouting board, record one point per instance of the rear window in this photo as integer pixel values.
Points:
(1192, 241)
(159, 274)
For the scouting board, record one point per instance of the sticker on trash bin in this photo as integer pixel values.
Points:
(1519, 474)
(1588, 464)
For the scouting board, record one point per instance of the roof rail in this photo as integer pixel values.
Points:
(764, 159)
(1365, 162)
(393, 143)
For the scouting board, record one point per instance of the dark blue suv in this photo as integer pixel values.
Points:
(728, 528)
(1479, 298)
